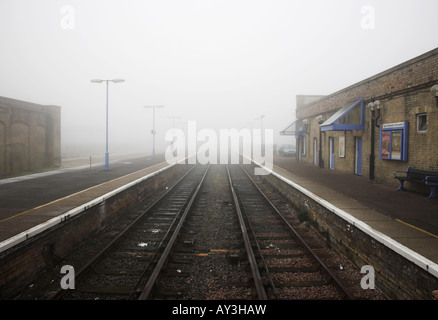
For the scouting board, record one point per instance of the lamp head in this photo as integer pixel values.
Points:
(377, 104)
(319, 119)
(434, 92)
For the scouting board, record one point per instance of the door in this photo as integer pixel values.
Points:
(332, 153)
(358, 157)
(301, 148)
(315, 151)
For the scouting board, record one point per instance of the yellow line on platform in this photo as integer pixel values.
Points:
(75, 194)
(419, 229)
(47, 204)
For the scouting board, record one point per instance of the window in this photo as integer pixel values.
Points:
(421, 122)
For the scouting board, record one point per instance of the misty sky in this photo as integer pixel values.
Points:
(220, 63)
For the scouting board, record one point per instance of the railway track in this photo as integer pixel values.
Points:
(274, 247)
(208, 260)
(269, 247)
(121, 268)
(214, 235)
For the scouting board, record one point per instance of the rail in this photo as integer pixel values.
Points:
(333, 278)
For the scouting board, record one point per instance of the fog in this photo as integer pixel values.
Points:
(220, 63)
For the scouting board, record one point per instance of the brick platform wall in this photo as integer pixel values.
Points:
(398, 277)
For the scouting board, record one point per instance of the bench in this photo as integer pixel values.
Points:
(428, 178)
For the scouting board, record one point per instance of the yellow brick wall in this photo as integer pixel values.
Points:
(403, 92)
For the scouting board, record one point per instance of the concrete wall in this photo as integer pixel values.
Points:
(30, 136)
(404, 92)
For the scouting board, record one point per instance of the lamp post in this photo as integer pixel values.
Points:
(107, 81)
(153, 127)
(173, 118)
(374, 106)
(261, 121)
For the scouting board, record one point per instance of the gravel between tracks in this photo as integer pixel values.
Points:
(215, 265)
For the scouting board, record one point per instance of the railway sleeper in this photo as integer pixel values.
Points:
(292, 283)
(106, 290)
(166, 294)
(121, 272)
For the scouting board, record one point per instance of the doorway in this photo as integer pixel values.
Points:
(358, 156)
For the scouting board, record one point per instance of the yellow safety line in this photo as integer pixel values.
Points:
(74, 194)
(49, 203)
(424, 231)
(409, 225)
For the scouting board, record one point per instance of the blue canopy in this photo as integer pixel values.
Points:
(292, 129)
(349, 117)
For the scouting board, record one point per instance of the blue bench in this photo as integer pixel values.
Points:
(428, 178)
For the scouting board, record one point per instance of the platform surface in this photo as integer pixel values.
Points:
(28, 201)
(405, 216)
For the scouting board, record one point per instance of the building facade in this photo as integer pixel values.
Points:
(385, 123)
(30, 137)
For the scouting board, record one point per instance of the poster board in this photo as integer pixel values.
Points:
(394, 141)
(342, 147)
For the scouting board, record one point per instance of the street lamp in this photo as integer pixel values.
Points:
(261, 121)
(173, 118)
(153, 127)
(434, 92)
(107, 81)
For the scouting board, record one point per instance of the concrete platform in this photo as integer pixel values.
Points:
(408, 218)
(23, 213)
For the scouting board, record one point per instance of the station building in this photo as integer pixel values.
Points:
(385, 123)
(30, 137)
